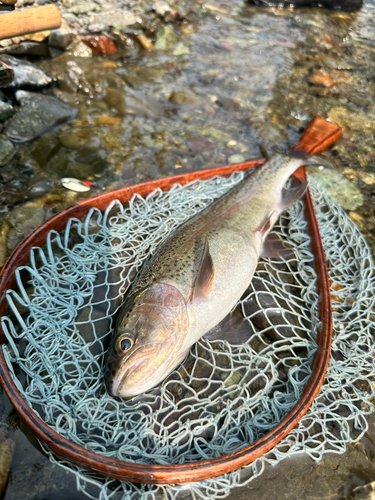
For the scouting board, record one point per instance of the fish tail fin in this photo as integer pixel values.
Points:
(307, 158)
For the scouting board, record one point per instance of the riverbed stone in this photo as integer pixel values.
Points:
(118, 18)
(61, 38)
(345, 193)
(6, 148)
(165, 38)
(28, 48)
(7, 446)
(25, 74)
(139, 104)
(181, 49)
(6, 111)
(37, 115)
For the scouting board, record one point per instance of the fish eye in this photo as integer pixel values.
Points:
(123, 344)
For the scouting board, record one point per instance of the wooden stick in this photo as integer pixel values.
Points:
(29, 21)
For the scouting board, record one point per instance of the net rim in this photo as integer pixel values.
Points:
(318, 135)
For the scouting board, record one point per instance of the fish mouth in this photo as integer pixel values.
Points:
(134, 360)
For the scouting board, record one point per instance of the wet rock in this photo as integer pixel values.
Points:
(6, 75)
(6, 111)
(25, 73)
(145, 42)
(181, 49)
(24, 219)
(83, 7)
(28, 48)
(216, 134)
(329, 78)
(118, 18)
(79, 49)
(344, 192)
(233, 159)
(6, 453)
(99, 44)
(38, 114)
(161, 7)
(165, 38)
(40, 188)
(61, 38)
(366, 492)
(336, 63)
(80, 139)
(229, 104)
(6, 148)
(197, 144)
(182, 97)
(132, 104)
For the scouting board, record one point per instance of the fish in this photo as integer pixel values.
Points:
(197, 275)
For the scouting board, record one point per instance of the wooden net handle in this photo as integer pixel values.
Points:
(29, 21)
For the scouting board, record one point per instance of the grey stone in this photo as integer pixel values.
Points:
(69, 19)
(344, 192)
(28, 48)
(139, 104)
(181, 49)
(161, 7)
(38, 114)
(79, 49)
(7, 448)
(83, 7)
(6, 148)
(236, 159)
(25, 74)
(6, 111)
(40, 188)
(61, 38)
(116, 18)
(165, 38)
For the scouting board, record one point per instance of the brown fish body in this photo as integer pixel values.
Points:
(195, 278)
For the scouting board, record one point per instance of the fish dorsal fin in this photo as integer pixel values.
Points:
(205, 275)
(266, 225)
(274, 247)
(290, 196)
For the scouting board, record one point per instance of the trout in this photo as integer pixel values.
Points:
(196, 277)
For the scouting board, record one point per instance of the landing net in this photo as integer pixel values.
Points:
(223, 396)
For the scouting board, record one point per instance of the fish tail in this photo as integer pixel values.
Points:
(307, 158)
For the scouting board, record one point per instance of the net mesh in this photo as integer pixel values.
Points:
(222, 396)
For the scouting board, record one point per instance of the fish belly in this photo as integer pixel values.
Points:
(235, 257)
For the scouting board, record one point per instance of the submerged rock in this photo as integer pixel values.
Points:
(6, 147)
(6, 111)
(100, 44)
(25, 73)
(165, 38)
(344, 192)
(132, 104)
(6, 453)
(38, 114)
(181, 49)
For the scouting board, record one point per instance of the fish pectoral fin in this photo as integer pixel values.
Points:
(205, 275)
(290, 196)
(274, 247)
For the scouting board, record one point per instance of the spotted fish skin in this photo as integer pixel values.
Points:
(196, 277)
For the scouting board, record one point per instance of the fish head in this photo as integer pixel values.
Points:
(148, 341)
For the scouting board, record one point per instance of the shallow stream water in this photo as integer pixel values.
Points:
(236, 79)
